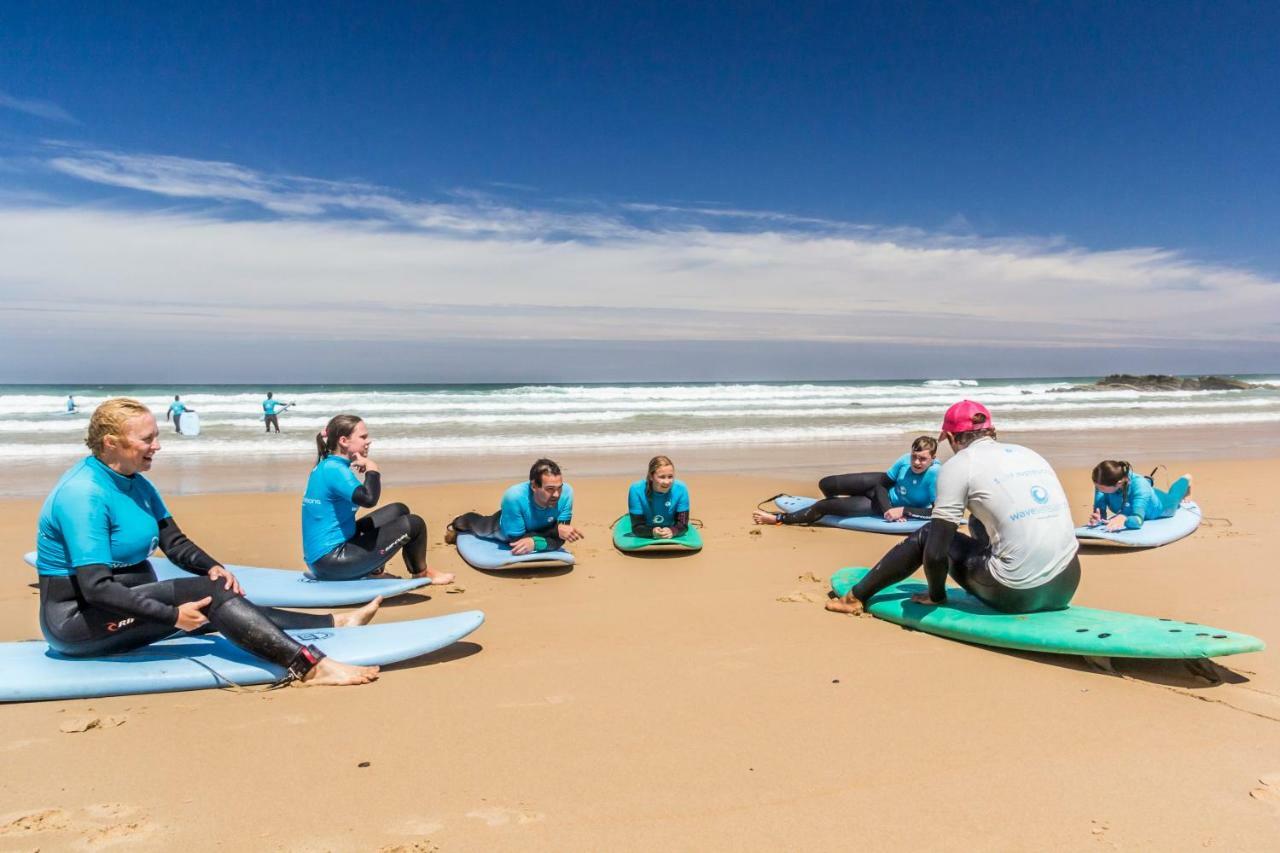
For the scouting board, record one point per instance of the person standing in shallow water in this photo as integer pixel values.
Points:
(1020, 556)
(176, 408)
(270, 411)
(98, 592)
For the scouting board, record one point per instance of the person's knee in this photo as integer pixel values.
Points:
(397, 509)
(417, 526)
(215, 588)
(827, 485)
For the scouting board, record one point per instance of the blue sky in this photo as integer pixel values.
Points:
(1081, 185)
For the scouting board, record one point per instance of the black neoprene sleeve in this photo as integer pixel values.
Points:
(367, 495)
(937, 563)
(100, 589)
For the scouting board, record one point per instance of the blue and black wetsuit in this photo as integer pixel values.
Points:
(872, 493)
(649, 509)
(98, 593)
(338, 546)
(1140, 501)
(520, 516)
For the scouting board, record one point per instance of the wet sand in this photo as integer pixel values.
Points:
(703, 702)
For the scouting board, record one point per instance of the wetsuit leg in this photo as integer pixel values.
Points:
(379, 535)
(484, 526)
(844, 507)
(872, 485)
(76, 629)
(903, 559)
(1172, 499)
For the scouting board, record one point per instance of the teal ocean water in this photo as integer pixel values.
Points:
(434, 420)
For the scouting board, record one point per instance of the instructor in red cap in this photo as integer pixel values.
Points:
(1020, 556)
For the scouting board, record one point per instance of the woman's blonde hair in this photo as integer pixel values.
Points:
(110, 418)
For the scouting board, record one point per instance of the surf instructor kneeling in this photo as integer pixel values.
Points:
(1021, 554)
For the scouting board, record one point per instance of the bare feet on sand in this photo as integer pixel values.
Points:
(762, 517)
(363, 616)
(846, 604)
(437, 578)
(331, 673)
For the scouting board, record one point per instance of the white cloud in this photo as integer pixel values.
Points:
(349, 262)
(36, 107)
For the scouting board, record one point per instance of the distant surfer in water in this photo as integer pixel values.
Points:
(534, 516)
(71, 405)
(99, 594)
(908, 488)
(270, 411)
(1030, 562)
(1130, 498)
(335, 544)
(176, 408)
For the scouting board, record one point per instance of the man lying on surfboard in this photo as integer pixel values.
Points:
(1027, 563)
(534, 516)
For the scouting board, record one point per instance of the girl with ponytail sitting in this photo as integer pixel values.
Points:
(1130, 498)
(336, 545)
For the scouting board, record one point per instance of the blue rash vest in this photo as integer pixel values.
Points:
(177, 407)
(270, 406)
(328, 514)
(659, 510)
(1139, 502)
(96, 516)
(521, 516)
(910, 488)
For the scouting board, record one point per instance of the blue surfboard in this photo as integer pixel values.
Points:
(866, 524)
(1152, 534)
(488, 554)
(32, 672)
(283, 588)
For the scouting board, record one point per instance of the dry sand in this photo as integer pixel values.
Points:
(704, 702)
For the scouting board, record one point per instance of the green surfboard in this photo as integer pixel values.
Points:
(1074, 631)
(623, 540)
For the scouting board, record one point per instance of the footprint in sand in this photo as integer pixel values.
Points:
(799, 597)
(1269, 792)
(128, 832)
(41, 820)
(497, 816)
(410, 847)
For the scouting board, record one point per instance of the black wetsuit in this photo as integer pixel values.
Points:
(964, 558)
(100, 610)
(848, 496)
(379, 535)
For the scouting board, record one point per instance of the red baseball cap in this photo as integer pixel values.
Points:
(967, 416)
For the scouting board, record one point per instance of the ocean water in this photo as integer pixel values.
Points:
(440, 420)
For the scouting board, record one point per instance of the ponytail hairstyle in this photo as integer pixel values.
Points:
(109, 419)
(339, 426)
(654, 464)
(1110, 472)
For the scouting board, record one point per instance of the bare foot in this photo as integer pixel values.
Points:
(331, 673)
(762, 517)
(363, 616)
(846, 604)
(437, 578)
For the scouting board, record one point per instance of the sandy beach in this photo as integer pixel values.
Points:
(704, 702)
